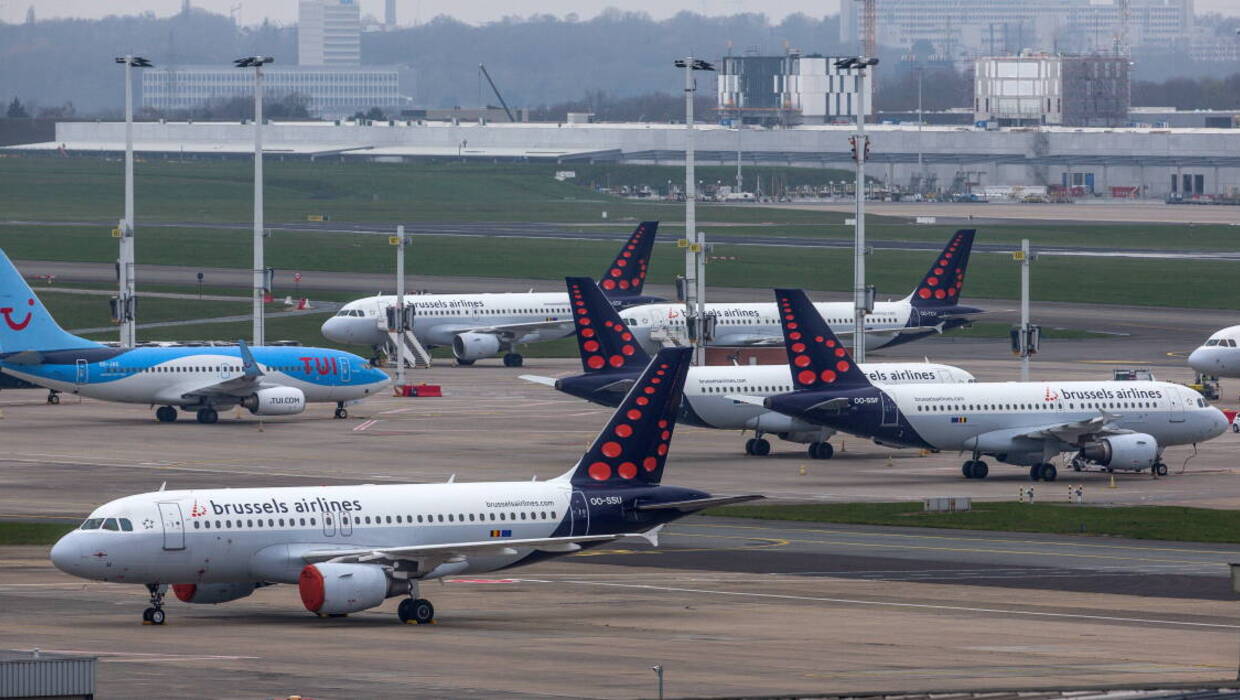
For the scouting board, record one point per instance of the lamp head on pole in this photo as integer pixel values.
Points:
(697, 64)
(253, 61)
(135, 61)
(860, 62)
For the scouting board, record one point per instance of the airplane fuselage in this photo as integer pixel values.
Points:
(1219, 356)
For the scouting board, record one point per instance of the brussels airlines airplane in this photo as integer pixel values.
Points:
(1114, 425)
(347, 548)
(269, 381)
(932, 307)
(1219, 356)
(612, 360)
(477, 326)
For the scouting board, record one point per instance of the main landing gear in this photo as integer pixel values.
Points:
(1043, 472)
(975, 469)
(758, 447)
(154, 615)
(166, 414)
(511, 359)
(414, 610)
(341, 412)
(53, 397)
(821, 450)
(206, 416)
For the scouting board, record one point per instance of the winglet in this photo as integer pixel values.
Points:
(652, 535)
(248, 363)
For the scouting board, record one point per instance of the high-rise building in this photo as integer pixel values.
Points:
(329, 33)
(960, 29)
(1036, 90)
(389, 15)
(788, 89)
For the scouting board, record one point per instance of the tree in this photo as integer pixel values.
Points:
(17, 110)
(375, 115)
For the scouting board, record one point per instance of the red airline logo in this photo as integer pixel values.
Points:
(7, 312)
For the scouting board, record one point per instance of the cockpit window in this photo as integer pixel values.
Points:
(343, 312)
(126, 526)
(366, 365)
(92, 524)
(110, 524)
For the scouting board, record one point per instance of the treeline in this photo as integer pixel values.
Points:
(1205, 92)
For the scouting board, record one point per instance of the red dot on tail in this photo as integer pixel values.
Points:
(830, 343)
(626, 336)
(634, 414)
(795, 335)
(801, 361)
(612, 449)
(662, 424)
(608, 284)
(798, 347)
(932, 281)
(587, 332)
(595, 362)
(827, 376)
(649, 390)
(642, 401)
(939, 294)
(924, 293)
(839, 352)
(842, 365)
(600, 471)
(791, 326)
(627, 470)
(627, 350)
(616, 361)
(665, 435)
(805, 376)
(662, 449)
(650, 464)
(590, 346)
(624, 284)
(615, 272)
(624, 430)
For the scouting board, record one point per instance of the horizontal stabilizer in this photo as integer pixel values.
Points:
(698, 503)
(535, 379)
(743, 398)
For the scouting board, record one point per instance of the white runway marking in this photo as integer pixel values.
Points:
(892, 604)
(365, 425)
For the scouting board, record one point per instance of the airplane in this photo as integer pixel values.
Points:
(1108, 424)
(612, 360)
(1219, 356)
(348, 548)
(477, 326)
(932, 307)
(268, 381)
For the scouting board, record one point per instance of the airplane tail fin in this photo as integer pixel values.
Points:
(817, 357)
(943, 283)
(632, 449)
(626, 275)
(605, 342)
(25, 324)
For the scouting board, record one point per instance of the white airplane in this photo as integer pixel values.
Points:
(931, 308)
(1219, 356)
(1109, 424)
(612, 361)
(348, 548)
(478, 326)
(268, 381)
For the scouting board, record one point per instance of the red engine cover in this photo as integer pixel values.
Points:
(184, 591)
(310, 585)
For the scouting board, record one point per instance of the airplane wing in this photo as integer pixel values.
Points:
(698, 503)
(1073, 432)
(754, 339)
(513, 331)
(251, 379)
(456, 551)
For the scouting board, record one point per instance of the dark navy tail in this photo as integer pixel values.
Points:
(605, 343)
(626, 275)
(632, 449)
(25, 324)
(817, 357)
(943, 283)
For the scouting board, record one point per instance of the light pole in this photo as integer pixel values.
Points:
(1025, 339)
(260, 270)
(695, 303)
(658, 671)
(863, 296)
(126, 301)
(399, 241)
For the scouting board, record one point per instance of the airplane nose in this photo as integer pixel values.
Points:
(331, 329)
(66, 554)
(1199, 360)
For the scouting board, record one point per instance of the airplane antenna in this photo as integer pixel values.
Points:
(163, 485)
(452, 479)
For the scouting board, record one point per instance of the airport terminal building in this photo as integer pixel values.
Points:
(1145, 162)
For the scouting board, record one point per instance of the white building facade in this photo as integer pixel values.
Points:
(331, 91)
(329, 33)
(1039, 90)
(789, 89)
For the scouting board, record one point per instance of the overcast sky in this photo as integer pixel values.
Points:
(410, 11)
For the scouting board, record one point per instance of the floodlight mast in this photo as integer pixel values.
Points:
(261, 281)
(126, 304)
(695, 268)
(863, 297)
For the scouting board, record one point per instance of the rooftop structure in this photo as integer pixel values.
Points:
(1052, 90)
(329, 33)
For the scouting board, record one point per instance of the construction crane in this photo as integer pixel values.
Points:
(1125, 16)
(869, 27)
(502, 103)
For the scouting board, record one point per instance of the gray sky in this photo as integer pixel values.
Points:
(409, 11)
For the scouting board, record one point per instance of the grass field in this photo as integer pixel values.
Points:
(92, 311)
(13, 533)
(1138, 522)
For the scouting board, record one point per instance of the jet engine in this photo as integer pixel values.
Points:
(276, 401)
(1130, 451)
(212, 592)
(336, 589)
(474, 346)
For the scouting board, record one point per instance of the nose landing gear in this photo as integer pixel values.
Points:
(341, 412)
(154, 615)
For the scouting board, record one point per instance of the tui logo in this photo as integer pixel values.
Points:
(7, 312)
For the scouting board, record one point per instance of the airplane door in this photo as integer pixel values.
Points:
(81, 376)
(329, 524)
(580, 513)
(1177, 407)
(891, 412)
(174, 525)
(346, 525)
(346, 372)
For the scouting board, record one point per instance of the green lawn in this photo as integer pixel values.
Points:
(1139, 522)
(92, 311)
(14, 533)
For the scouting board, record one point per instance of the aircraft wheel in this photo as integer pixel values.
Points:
(761, 447)
(821, 450)
(967, 469)
(1035, 472)
(980, 470)
(416, 611)
(342, 413)
(208, 416)
(464, 363)
(53, 398)
(749, 446)
(1049, 472)
(513, 359)
(1160, 469)
(165, 414)
(154, 616)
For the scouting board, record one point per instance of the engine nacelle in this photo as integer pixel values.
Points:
(1132, 451)
(335, 589)
(276, 401)
(212, 592)
(474, 346)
